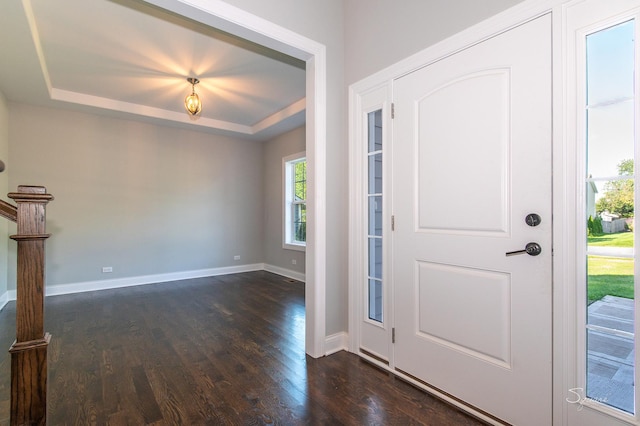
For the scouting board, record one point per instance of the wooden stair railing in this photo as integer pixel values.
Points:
(8, 211)
(29, 351)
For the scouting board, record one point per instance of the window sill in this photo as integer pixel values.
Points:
(296, 247)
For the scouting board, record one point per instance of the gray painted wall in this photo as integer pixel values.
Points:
(4, 189)
(141, 198)
(380, 33)
(322, 21)
(274, 150)
(362, 37)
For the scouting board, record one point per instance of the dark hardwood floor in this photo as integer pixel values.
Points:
(210, 351)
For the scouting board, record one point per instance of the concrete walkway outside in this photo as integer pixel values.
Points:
(610, 352)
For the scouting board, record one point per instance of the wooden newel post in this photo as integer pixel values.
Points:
(29, 351)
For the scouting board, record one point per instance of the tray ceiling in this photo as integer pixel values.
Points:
(131, 58)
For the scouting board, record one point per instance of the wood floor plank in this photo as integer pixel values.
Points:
(147, 399)
(225, 350)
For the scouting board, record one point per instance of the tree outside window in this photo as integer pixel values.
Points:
(295, 201)
(618, 194)
(300, 201)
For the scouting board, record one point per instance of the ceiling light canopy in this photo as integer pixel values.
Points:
(192, 102)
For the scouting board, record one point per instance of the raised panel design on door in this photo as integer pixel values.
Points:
(454, 325)
(486, 111)
(471, 160)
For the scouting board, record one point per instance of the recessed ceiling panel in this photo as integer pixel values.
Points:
(131, 52)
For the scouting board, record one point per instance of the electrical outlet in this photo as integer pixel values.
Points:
(107, 269)
(236, 257)
(294, 262)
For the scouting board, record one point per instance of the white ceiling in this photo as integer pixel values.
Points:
(126, 57)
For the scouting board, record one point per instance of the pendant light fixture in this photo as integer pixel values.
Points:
(192, 102)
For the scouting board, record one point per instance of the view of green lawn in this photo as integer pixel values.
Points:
(610, 275)
(621, 239)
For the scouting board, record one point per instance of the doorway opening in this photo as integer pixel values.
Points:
(250, 27)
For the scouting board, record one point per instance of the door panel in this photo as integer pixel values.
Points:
(486, 112)
(449, 325)
(471, 158)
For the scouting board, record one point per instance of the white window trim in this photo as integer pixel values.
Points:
(287, 218)
(582, 19)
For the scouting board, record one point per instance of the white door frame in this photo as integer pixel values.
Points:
(374, 98)
(563, 197)
(586, 18)
(221, 15)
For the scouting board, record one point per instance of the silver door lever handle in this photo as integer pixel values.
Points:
(532, 249)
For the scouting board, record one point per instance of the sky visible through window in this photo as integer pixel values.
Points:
(610, 82)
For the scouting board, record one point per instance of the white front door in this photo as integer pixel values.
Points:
(471, 161)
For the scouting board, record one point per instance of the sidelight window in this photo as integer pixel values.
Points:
(610, 175)
(374, 233)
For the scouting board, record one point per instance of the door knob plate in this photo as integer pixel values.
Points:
(532, 249)
(533, 219)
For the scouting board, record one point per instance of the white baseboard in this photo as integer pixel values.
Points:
(4, 298)
(80, 287)
(56, 290)
(336, 343)
(285, 272)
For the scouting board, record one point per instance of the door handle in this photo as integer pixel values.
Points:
(532, 249)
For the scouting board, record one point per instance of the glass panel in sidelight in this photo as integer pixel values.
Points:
(375, 215)
(610, 207)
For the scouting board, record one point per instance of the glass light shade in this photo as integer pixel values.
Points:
(192, 103)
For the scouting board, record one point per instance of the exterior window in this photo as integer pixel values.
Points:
(610, 113)
(374, 202)
(295, 201)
